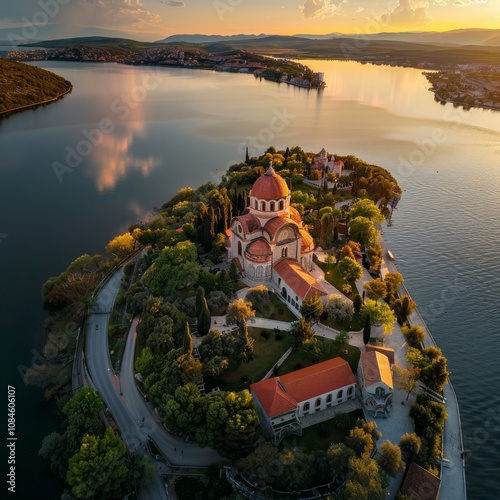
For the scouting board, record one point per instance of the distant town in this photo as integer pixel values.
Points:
(235, 61)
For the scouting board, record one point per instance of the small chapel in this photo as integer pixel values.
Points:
(270, 244)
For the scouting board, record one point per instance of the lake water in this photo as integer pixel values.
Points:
(79, 171)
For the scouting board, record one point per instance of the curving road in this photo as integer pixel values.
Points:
(135, 418)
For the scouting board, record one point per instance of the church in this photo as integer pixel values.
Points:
(270, 244)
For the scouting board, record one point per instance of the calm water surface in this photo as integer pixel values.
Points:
(156, 130)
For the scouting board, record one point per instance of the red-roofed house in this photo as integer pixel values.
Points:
(420, 484)
(282, 401)
(270, 244)
(375, 383)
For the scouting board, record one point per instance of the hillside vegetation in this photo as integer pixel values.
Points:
(23, 85)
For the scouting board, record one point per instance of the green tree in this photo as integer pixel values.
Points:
(239, 310)
(375, 289)
(234, 273)
(338, 456)
(83, 411)
(184, 410)
(245, 343)
(407, 379)
(204, 318)
(365, 480)
(259, 297)
(363, 231)
(367, 330)
(374, 253)
(366, 208)
(403, 307)
(392, 282)
(121, 246)
(200, 295)
(379, 313)
(54, 449)
(390, 460)
(312, 307)
(99, 468)
(301, 332)
(187, 342)
(410, 446)
(143, 363)
(414, 335)
(349, 269)
(357, 302)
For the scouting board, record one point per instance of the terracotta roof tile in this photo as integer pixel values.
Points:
(249, 222)
(272, 225)
(259, 248)
(298, 279)
(270, 186)
(384, 350)
(376, 368)
(420, 484)
(281, 394)
(307, 243)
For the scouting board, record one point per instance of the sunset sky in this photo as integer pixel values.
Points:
(149, 18)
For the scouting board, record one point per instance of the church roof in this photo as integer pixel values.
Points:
(416, 478)
(298, 279)
(307, 243)
(272, 225)
(270, 186)
(281, 394)
(294, 214)
(376, 368)
(249, 222)
(259, 248)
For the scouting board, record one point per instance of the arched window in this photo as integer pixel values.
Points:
(282, 204)
(239, 248)
(306, 406)
(380, 392)
(349, 392)
(272, 206)
(283, 292)
(256, 205)
(263, 206)
(340, 394)
(317, 402)
(329, 398)
(284, 252)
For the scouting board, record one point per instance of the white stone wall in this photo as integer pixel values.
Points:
(326, 402)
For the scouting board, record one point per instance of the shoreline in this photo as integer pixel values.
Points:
(453, 424)
(36, 104)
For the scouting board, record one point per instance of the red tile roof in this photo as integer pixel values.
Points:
(420, 484)
(259, 248)
(384, 350)
(307, 243)
(281, 394)
(270, 186)
(376, 368)
(272, 225)
(249, 222)
(298, 279)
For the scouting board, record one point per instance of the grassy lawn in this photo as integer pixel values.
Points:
(277, 310)
(329, 349)
(333, 277)
(269, 346)
(357, 323)
(320, 436)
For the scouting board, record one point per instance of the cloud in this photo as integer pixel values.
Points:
(466, 3)
(172, 3)
(313, 9)
(409, 14)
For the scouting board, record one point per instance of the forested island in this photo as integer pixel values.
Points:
(22, 86)
(197, 373)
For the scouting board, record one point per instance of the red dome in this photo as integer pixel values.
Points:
(270, 186)
(307, 243)
(259, 250)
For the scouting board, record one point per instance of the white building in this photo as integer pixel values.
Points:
(269, 242)
(282, 401)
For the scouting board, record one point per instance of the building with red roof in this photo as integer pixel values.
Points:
(270, 243)
(375, 383)
(282, 401)
(420, 484)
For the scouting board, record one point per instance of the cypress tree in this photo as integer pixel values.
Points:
(200, 295)
(367, 330)
(234, 273)
(187, 341)
(247, 158)
(204, 319)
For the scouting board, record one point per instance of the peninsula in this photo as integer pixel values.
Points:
(23, 86)
(263, 316)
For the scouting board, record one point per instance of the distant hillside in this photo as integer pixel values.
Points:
(209, 38)
(23, 85)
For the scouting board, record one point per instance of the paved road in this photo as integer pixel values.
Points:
(135, 418)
